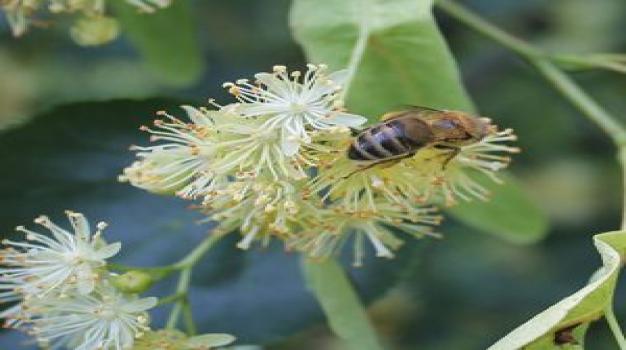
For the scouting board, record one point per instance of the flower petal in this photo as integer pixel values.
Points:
(85, 281)
(209, 340)
(339, 77)
(289, 143)
(346, 119)
(80, 225)
(108, 251)
(290, 147)
(140, 305)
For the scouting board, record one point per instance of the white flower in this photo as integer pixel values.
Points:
(194, 159)
(259, 210)
(60, 262)
(485, 158)
(104, 319)
(295, 103)
(325, 229)
(181, 159)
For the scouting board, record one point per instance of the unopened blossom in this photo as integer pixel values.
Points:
(326, 229)
(104, 319)
(54, 263)
(430, 176)
(296, 103)
(93, 31)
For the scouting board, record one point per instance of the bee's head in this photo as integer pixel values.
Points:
(479, 127)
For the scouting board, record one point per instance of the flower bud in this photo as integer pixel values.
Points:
(132, 282)
(94, 31)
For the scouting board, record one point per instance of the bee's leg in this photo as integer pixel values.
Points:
(355, 131)
(386, 162)
(359, 169)
(454, 151)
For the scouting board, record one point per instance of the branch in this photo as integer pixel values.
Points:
(542, 61)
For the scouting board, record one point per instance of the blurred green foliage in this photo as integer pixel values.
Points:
(463, 292)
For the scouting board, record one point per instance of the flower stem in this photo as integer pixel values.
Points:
(188, 318)
(182, 289)
(341, 305)
(615, 328)
(622, 161)
(170, 298)
(568, 89)
(542, 62)
(197, 253)
(185, 265)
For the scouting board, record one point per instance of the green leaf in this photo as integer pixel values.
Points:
(580, 308)
(166, 39)
(398, 58)
(393, 47)
(509, 214)
(346, 317)
(70, 157)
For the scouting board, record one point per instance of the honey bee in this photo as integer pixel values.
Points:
(401, 134)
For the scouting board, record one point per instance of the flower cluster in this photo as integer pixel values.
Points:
(428, 177)
(273, 164)
(62, 289)
(324, 231)
(247, 162)
(92, 27)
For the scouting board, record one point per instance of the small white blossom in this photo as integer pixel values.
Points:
(259, 210)
(196, 158)
(325, 229)
(59, 262)
(295, 103)
(104, 319)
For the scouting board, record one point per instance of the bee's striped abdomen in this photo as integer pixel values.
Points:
(384, 141)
